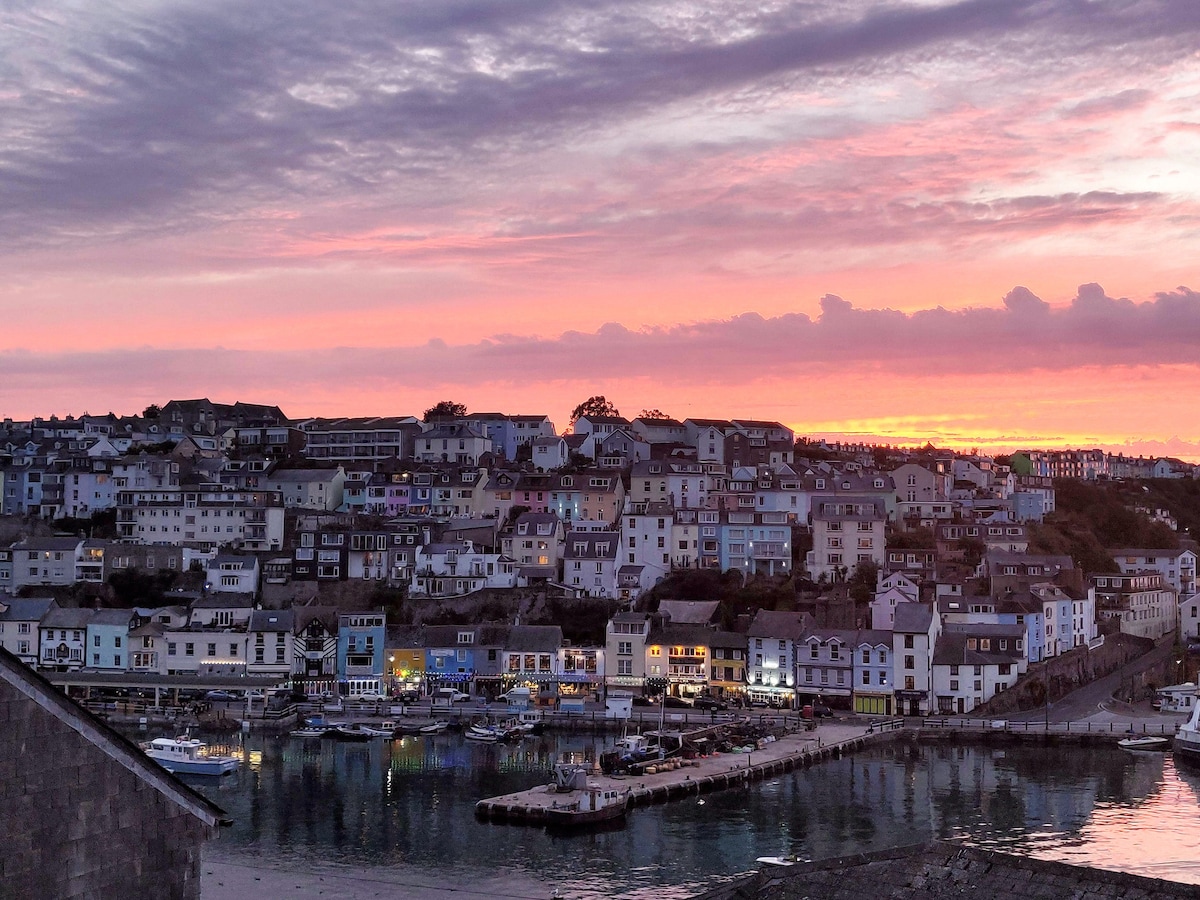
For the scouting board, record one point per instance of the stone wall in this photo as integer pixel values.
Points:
(79, 824)
(1059, 676)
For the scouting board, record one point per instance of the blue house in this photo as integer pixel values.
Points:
(360, 652)
(108, 640)
(450, 656)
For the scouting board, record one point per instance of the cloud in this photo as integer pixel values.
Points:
(1023, 335)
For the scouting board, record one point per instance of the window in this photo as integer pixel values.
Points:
(625, 648)
(908, 642)
(910, 662)
(954, 684)
(212, 649)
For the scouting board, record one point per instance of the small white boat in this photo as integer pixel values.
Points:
(188, 756)
(790, 860)
(483, 734)
(1144, 742)
(435, 728)
(310, 731)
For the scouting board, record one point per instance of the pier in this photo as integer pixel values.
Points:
(680, 778)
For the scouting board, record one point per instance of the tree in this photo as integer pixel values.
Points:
(652, 414)
(445, 409)
(153, 411)
(597, 405)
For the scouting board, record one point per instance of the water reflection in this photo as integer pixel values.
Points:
(410, 803)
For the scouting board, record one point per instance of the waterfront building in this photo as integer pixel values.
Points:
(531, 658)
(108, 640)
(825, 666)
(914, 635)
(315, 649)
(972, 663)
(873, 690)
(677, 658)
(773, 649)
(405, 654)
(581, 671)
(20, 618)
(62, 639)
(625, 652)
(269, 643)
(360, 652)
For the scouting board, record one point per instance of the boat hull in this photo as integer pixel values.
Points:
(1187, 746)
(217, 766)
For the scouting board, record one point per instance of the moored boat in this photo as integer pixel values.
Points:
(434, 728)
(1187, 738)
(590, 805)
(188, 756)
(1145, 742)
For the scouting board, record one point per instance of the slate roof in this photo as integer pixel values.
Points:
(24, 609)
(271, 620)
(67, 618)
(534, 638)
(689, 612)
(941, 870)
(772, 624)
(913, 617)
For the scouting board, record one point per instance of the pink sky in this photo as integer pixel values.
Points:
(973, 222)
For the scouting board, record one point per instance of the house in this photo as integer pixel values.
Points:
(44, 561)
(690, 612)
(773, 648)
(581, 671)
(309, 487)
(845, 533)
(269, 636)
(677, 659)
(535, 544)
(873, 687)
(625, 652)
(531, 658)
(451, 656)
(621, 449)
(972, 663)
(360, 646)
(590, 562)
(825, 666)
(133, 830)
(708, 437)
(233, 574)
(594, 429)
(548, 453)
(62, 639)
(914, 635)
(754, 543)
(368, 441)
(727, 665)
(19, 621)
(315, 649)
(891, 590)
(683, 485)
(1177, 567)
(1141, 603)
(457, 568)
(221, 609)
(456, 443)
(108, 640)
(404, 652)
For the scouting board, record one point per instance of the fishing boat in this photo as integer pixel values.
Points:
(584, 803)
(1156, 742)
(188, 756)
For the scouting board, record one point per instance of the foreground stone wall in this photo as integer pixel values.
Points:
(76, 823)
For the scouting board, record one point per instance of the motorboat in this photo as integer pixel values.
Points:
(789, 860)
(582, 802)
(310, 731)
(383, 729)
(354, 732)
(1156, 742)
(483, 733)
(1187, 738)
(434, 728)
(188, 756)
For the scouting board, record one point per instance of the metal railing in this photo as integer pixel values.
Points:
(1035, 727)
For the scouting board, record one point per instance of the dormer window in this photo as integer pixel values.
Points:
(466, 637)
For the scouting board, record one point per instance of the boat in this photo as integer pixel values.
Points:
(1145, 742)
(383, 729)
(353, 732)
(584, 803)
(435, 728)
(310, 731)
(483, 734)
(188, 756)
(1187, 738)
(789, 860)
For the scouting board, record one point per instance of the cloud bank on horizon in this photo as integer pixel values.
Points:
(524, 200)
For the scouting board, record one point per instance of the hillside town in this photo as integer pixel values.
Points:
(908, 579)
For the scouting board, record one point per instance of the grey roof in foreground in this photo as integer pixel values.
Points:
(941, 870)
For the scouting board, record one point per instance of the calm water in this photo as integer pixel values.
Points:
(410, 804)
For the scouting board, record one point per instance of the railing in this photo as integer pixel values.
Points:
(1034, 727)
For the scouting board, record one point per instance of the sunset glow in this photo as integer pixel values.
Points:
(969, 222)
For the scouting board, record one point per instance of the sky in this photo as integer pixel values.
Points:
(968, 222)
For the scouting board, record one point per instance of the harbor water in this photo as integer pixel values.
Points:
(407, 807)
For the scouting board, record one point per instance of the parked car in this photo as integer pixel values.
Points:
(255, 695)
(709, 703)
(640, 700)
(677, 703)
(450, 695)
(220, 696)
(408, 696)
(822, 712)
(367, 697)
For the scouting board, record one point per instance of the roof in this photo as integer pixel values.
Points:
(1125, 551)
(112, 617)
(224, 600)
(727, 639)
(271, 620)
(689, 612)
(58, 617)
(534, 638)
(941, 870)
(952, 649)
(680, 635)
(55, 702)
(405, 637)
(24, 609)
(776, 624)
(48, 543)
(913, 617)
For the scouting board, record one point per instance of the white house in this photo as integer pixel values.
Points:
(453, 569)
(1177, 567)
(914, 635)
(845, 533)
(773, 650)
(19, 621)
(233, 574)
(590, 562)
(973, 663)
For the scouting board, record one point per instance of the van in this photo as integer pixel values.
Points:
(517, 695)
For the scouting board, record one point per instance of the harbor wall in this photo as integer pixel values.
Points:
(78, 823)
